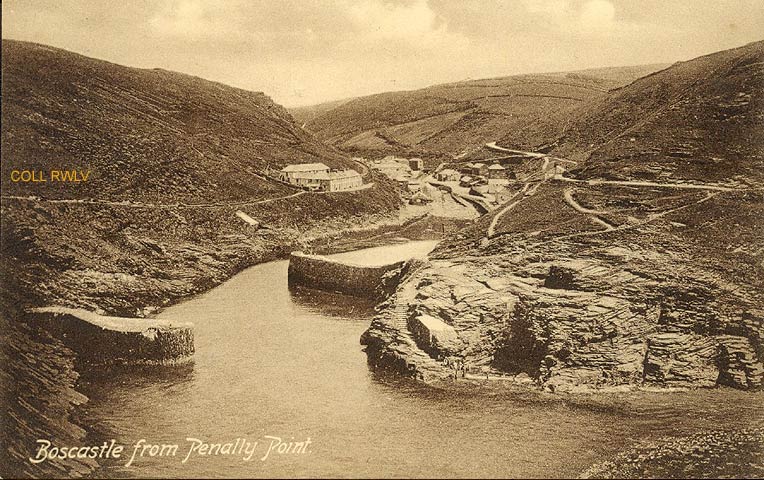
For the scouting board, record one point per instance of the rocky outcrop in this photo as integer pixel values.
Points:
(434, 336)
(715, 454)
(38, 398)
(570, 324)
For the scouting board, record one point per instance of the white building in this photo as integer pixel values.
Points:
(302, 174)
(341, 180)
(317, 176)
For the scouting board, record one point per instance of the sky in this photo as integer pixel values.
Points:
(303, 52)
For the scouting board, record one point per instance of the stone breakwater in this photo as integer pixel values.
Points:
(102, 340)
(323, 273)
(568, 325)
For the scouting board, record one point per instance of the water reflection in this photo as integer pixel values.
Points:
(335, 305)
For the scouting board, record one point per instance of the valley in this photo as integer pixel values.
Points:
(600, 235)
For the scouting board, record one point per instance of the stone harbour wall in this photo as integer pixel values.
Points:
(102, 340)
(595, 326)
(316, 271)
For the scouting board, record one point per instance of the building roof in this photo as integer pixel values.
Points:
(478, 165)
(449, 171)
(304, 167)
(496, 166)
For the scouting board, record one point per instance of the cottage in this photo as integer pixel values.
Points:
(497, 175)
(340, 181)
(466, 168)
(479, 169)
(416, 164)
(302, 174)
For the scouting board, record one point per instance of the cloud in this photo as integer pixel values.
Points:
(304, 51)
(598, 16)
(414, 23)
(387, 21)
(197, 19)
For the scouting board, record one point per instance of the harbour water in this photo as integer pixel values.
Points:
(271, 363)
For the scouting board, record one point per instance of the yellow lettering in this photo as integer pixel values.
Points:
(15, 176)
(54, 175)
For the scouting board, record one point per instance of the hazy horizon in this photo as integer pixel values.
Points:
(304, 53)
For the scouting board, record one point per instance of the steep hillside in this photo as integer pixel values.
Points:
(143, 134)
(457, 117)
(305, 114)
(643, 265)
(174, 162)
(700, 120)
(171, 159)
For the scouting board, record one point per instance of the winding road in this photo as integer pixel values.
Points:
(131, 204)
(595, 215)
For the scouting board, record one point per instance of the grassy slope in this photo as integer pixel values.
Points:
(701, 120)
(710, 107)
(144, 134)
(457, 117)
(152, 138)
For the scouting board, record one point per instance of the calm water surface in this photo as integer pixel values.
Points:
(270, 362)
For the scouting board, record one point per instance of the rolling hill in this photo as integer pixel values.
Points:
(143, 134)
(172, 159)
(701, 119)
(455, 118)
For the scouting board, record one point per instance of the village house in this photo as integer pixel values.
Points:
(302, 174)
(479, 169)
(416, 164)
(465, 168)
(497, 175)
(317, 176)
(341, 180)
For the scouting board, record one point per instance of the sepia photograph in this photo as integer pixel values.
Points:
(382, 239)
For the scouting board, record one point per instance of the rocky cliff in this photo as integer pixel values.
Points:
(579, 283)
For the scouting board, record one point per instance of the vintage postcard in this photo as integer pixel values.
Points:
(382, 239)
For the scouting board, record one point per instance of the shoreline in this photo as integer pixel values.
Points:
(29, 412)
